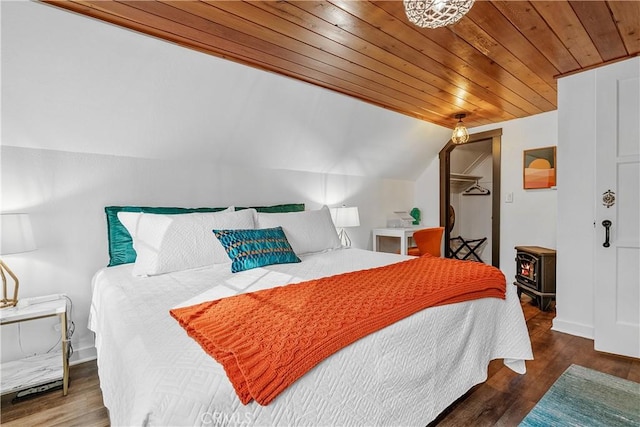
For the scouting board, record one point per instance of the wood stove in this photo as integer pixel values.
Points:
(536, 274)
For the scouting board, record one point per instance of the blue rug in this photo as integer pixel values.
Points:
(584, 397)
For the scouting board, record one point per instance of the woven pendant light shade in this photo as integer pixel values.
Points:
(460, 133)
(436, 13)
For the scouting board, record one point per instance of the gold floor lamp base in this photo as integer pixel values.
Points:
(6, 301)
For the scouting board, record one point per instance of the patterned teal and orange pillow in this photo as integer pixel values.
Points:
(256, 248)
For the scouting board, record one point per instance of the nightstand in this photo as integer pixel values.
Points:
(41, 369)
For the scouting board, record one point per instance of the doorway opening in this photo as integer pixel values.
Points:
(487, 139)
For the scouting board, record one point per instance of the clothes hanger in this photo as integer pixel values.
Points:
(476, 190)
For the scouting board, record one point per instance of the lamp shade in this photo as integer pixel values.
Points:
(16, 235)
(436, 13)
(460, 133)
(345, 217)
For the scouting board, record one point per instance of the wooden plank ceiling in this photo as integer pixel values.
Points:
(500, 62)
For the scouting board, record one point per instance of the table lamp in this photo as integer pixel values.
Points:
(16, 236)
(345, 217)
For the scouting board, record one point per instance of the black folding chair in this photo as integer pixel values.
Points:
(466, 249)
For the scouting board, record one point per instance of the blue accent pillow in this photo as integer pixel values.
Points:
(256, 248)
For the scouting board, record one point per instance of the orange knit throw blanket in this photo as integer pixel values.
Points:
(268, 339)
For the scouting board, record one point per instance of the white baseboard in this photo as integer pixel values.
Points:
(572, 328)
(82, 355)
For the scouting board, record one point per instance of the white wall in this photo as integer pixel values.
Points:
(473, 216)
(65, 194)
(427, 196)
(91, 87)
(577, 234)
(574, 275)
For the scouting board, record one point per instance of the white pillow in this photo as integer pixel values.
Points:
(306, 231)
(165, 243)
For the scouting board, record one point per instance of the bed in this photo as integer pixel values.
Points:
(153, 373)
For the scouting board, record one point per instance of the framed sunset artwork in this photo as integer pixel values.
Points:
(539, 168)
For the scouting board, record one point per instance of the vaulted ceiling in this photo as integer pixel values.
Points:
(500, 62)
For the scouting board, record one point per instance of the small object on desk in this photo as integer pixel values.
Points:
(415, 213)
(402, 219)
(41, 369)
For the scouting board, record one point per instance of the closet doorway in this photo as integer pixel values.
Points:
(461, 182)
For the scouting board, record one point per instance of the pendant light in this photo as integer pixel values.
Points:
(460, 133)
(436, 13)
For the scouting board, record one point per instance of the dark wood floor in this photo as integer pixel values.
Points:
(503, 400)
(81, 407)
(506, 397)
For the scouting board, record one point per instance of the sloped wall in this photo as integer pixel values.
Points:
(71, 83)
(94, 115)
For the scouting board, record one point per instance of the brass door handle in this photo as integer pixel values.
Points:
(607, 225)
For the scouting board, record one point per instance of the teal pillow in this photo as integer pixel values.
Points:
(256, 248)
(120, 243)
(289, 207)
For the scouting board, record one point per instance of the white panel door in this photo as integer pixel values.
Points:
(617, 262)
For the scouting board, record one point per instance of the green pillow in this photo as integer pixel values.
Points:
(120, 243)
(290, 207)
(256, 248)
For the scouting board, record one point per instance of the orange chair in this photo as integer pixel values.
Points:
(429, 241)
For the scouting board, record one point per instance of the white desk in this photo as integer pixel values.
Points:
(40, 369)
(404, 234)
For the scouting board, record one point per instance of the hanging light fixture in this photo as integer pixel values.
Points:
(436, 13)
(460, 133)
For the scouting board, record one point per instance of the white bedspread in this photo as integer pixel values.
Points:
(152, 373)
